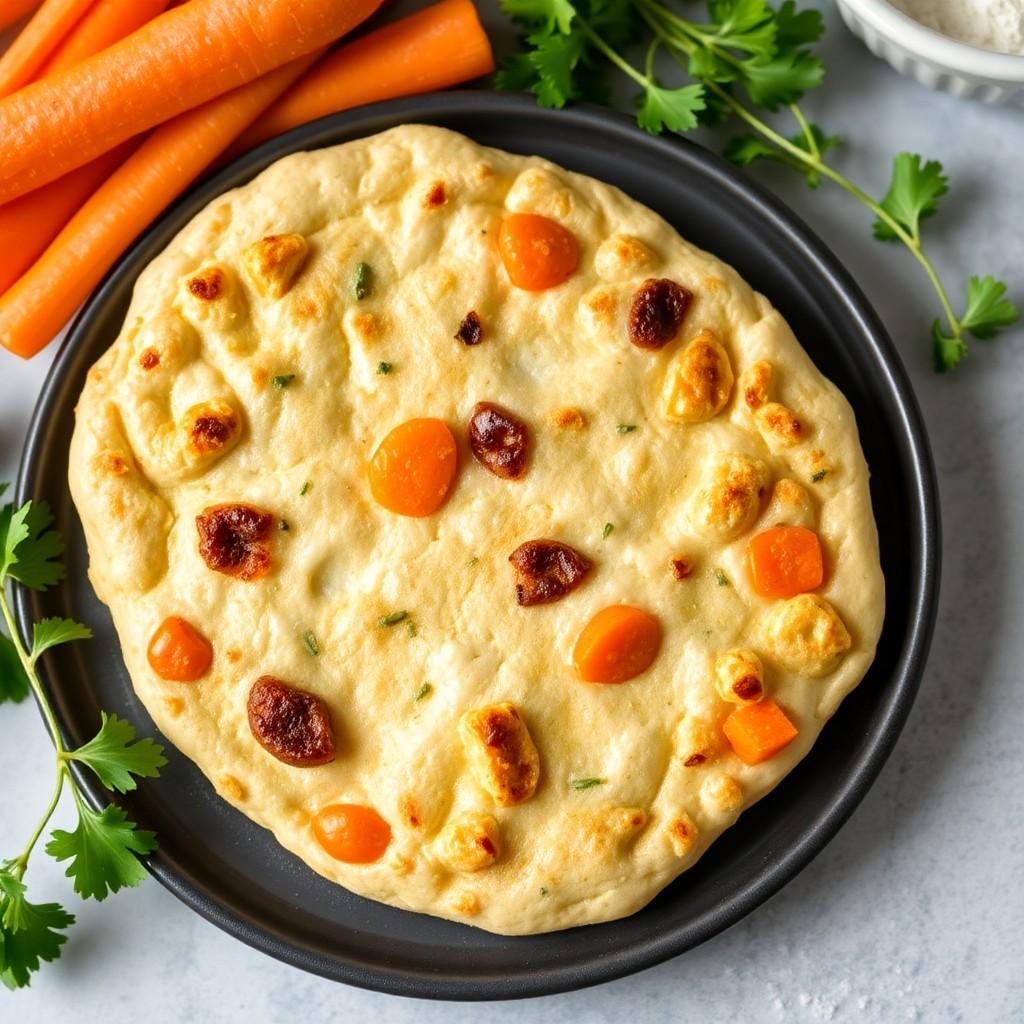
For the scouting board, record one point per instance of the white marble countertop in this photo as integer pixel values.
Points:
(916, 910)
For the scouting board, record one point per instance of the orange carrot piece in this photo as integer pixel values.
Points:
(184, 58)
(435, 48)
(413, 468)
(352, 833)
(179, 652)
(617, 644)
(40, 303)
(15, 10)
(758, 731)
(36, 219)
(102, 26)
(39, 38)
(785, 561)
(537, 251)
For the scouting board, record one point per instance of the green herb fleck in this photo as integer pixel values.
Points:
(411, 628)
(305, 489)
(474, 561)
(362, 280)
(310, 643)
(383, 369)
(626, 428)
(393, 619)
(282, 380)
(816, 478)
(720, 578)
(424, 691)
(543, 891)
(579, 784)
(607, 531)
(282, 525)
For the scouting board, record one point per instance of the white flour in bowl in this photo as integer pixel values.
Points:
(991, 24)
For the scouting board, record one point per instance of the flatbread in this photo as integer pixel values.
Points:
(248, 371)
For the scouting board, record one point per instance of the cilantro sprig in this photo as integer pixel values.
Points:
(748, 57)
(103, 850)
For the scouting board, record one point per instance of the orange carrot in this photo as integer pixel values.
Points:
(40, 303)
(758, 731)
(39, 38)
(106, 23)
(412, 470)
(537, 251)
(179, 652)
(352, 833)
(184, 58)
(35, 220)
(435, 48)
(15, 10)
(617, 644)
(785, 561)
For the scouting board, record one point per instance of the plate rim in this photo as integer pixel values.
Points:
(907, 672)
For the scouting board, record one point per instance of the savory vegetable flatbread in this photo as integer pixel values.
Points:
(472, 531)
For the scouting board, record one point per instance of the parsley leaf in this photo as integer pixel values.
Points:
(13, 530)
(516, 73)
(671, 109)
(987, 309)
(49, 633)
(114, 758)
(746, 25)
(795, 28)
(104, 851)
(581, 784)
(28, 548)
(913, 194)
(947, 350)
(783, 79)
(29, 932)
(551, 13)
(555, 58)
(13, 681)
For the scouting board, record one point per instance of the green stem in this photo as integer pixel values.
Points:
(812, 142)
(620, 62)
(818, 164)
(20, 863)
(29, 665)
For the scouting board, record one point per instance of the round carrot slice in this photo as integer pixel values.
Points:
(785, 561)
(179, 652)
(412, 469)
(617, 644)
(352, 833)
(538, 252)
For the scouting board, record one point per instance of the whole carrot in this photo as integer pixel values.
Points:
(36, 219)
(15, 10)
(435, 48)
(105, 23)
(36, 41)
(185, 57)
(40, 303)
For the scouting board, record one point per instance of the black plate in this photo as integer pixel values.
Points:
(234, 873)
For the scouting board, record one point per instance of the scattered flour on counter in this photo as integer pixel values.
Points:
(991, 24)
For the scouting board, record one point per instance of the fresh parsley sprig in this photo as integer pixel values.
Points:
(105, 847)
(747, 57)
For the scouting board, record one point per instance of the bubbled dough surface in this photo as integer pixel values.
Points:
(345, 561)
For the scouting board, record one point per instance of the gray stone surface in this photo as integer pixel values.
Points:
(916, 910)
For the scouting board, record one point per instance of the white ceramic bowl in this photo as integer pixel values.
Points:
(932, 58)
